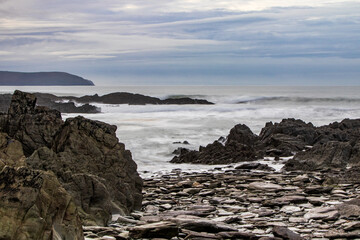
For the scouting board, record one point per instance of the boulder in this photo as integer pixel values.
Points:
(242, 134)
(33, 205)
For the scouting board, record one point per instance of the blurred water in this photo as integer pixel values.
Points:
(150, 130)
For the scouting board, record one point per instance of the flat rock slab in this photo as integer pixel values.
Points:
(324, 213)
(265, 186)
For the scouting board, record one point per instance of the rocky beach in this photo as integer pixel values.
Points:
(73, 179)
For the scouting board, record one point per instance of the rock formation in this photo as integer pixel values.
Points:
(85, 155)
(336, 145)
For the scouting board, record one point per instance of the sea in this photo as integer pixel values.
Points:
(153, 132)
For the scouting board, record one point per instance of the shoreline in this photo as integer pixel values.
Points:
(240, 204)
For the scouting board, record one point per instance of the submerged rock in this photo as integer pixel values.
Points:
(33, 205)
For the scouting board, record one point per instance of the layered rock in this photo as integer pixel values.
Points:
(33, 205)
(85, 155)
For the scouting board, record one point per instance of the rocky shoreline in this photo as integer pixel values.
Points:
(240, 203)
(73, 179)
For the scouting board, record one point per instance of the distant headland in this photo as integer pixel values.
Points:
(41, 79)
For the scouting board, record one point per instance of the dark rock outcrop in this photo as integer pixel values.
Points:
(85, 155)
(239, 147)
(133, 99)
(335, 146)
(51, 101)
(33, 205)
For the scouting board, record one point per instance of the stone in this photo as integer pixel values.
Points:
(160, 229)
(286, 233)
(265, 186)
(11, 152)
(324, 213)
(33, 205)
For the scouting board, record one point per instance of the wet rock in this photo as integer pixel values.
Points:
(33, 205)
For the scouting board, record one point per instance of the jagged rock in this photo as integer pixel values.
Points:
(85, 155)
(33, 205)
(33, 126)
(217, 153)
(242, 134)
(328, 155)
(288, 136)
(94, 167)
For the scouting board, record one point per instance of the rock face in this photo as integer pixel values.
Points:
(85, 155)
(11, 152)
(33, 205)
(33, 126)
(94, 167)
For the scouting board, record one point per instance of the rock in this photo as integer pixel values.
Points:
(94, 167)
(159, 230)
(255, 166)
(33, 205)
(85, 155)
(329, 155)
(324, 213)
(217, 153)
(285, 233)
(11, 152)
(34, 127)
(242, 134)
(134, 99)
(349, 208)
(265, 186)
(288, 136)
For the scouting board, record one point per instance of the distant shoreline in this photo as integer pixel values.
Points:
(8, 78)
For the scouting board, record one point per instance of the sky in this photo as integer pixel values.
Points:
(185, 42)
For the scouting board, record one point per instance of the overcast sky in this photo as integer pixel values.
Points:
(225, 42)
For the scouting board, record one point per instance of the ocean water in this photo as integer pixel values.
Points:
(150, 131)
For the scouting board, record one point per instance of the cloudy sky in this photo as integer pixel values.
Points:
(224, 42)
